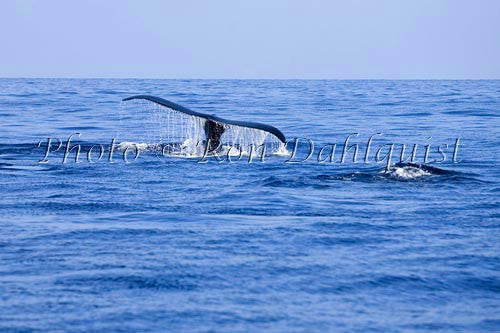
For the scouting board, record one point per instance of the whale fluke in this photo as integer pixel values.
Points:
(214, 126)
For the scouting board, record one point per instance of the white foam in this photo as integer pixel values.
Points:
(122, 146)
(282, 151)
(407, 172)
(196, 149)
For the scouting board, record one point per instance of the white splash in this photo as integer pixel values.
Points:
(122, 146)
(407, 172)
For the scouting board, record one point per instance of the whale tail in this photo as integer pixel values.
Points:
(215, 128)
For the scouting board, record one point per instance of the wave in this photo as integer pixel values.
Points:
(113, 281)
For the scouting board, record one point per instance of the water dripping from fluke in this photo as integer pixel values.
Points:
(179, 131)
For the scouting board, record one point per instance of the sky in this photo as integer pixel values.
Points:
(257, 39)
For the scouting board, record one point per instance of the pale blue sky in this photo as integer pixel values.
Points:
(427, 39)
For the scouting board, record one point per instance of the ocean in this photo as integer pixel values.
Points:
(148, 242)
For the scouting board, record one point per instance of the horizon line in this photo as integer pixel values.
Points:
(245, 79)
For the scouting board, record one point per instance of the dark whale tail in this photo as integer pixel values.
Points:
(214, 126)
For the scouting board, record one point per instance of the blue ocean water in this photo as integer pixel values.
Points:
(169, 244)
